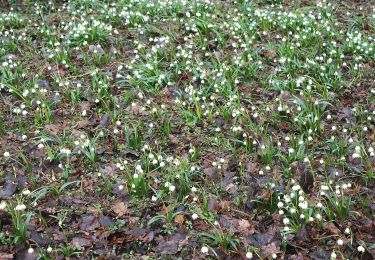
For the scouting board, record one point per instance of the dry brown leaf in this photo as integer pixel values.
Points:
(120, 208)
(224, 205)
(179, 219)
(270, 249)
(52, 129)
(332, 229)
(245, 228)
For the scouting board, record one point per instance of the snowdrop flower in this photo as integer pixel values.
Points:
(154, 198)
(333, 255)
(26, 192)
(20, 207)
(194, 216)
(204, 250)
(172, 188)
(249, 255)
(361, 249)
(3, 205)
(30, 250)
(6, 154)
(347, 231)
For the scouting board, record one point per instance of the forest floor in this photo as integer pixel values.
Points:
(202, 129)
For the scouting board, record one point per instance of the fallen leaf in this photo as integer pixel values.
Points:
(270, 249)
(89, 223)
(270, 54)
(212, 205)
(84, 106)
(106, 221)
(52, 129)
(79, 242)
(224, 205)
(120, 208)
(245, 228)
(83, 123)
(9, 187)
(332, 229)
(179, 219)
(104, 120)
(167, 248)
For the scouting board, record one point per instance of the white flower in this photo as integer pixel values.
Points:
(172, 188)
(193, 189)
(20, 207)
(194, 216)
(286, 221)
(280, 204)
(296, 187)
(347, 231)
(361, 249)
(204, 250)
(6, 154)
(333, 255)
(3, 205)
(154, 198)
(49, 249)
(340, 242)
(249, 255)
(26, 192)
(30, 250)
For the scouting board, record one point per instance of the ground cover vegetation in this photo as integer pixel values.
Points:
(175, 129)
